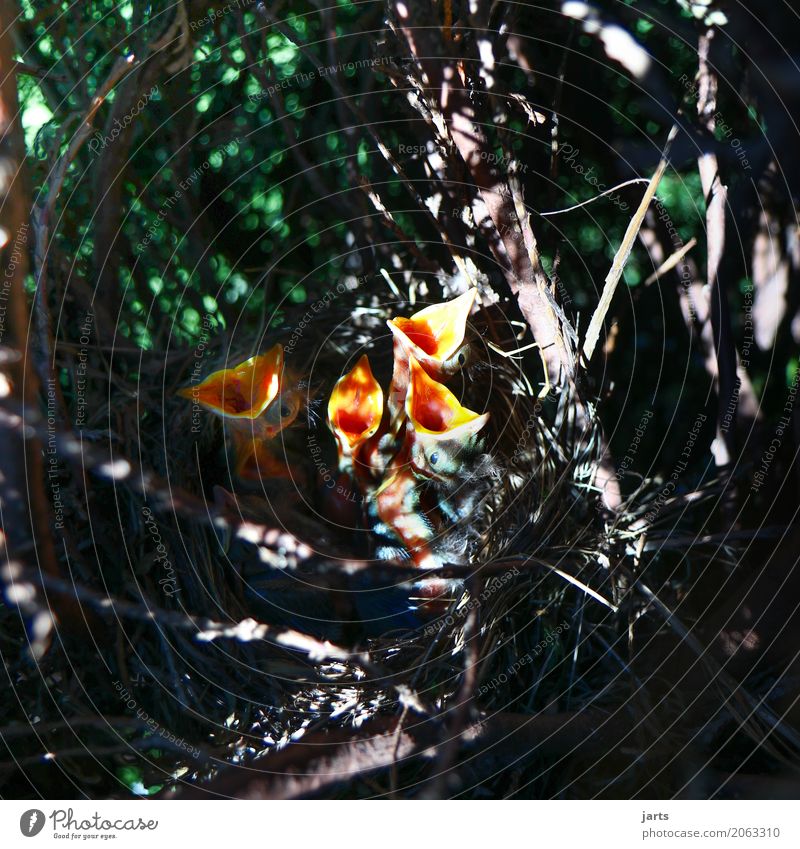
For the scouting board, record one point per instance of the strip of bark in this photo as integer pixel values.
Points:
(520, 258)
(716, 195)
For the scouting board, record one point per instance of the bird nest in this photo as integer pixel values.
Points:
(237, 623)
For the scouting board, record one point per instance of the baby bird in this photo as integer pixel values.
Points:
(256, 402)
(441, 437)
(434, 336)
(355, 413)
(442, 434)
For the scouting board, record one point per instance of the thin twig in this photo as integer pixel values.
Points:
(610, 191)
(671, 261)
(622, 254)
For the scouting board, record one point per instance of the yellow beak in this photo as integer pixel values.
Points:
(241, 392)
(433, 335)
(433, 410)
(355, 407)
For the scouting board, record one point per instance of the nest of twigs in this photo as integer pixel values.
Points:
(532, 665)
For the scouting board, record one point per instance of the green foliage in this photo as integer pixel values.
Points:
(211, 201)
(241, 175)
(132, 778)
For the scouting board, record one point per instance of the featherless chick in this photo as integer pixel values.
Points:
(256, 400)
(422, 501)
(355, 414)
(435, 337)
(420, 495)
(444, 444)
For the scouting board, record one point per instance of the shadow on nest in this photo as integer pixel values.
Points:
(247, 628)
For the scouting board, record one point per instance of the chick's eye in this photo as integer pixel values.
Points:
(434, 458)
(285, 410)
(462, 358)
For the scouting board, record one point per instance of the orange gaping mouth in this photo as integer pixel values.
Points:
(355, 407)
(438, 330)
(241, 392)
(433, 409)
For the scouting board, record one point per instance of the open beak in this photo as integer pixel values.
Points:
(434, 335)
(434, 413)
(244, 391)
(355, 409)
